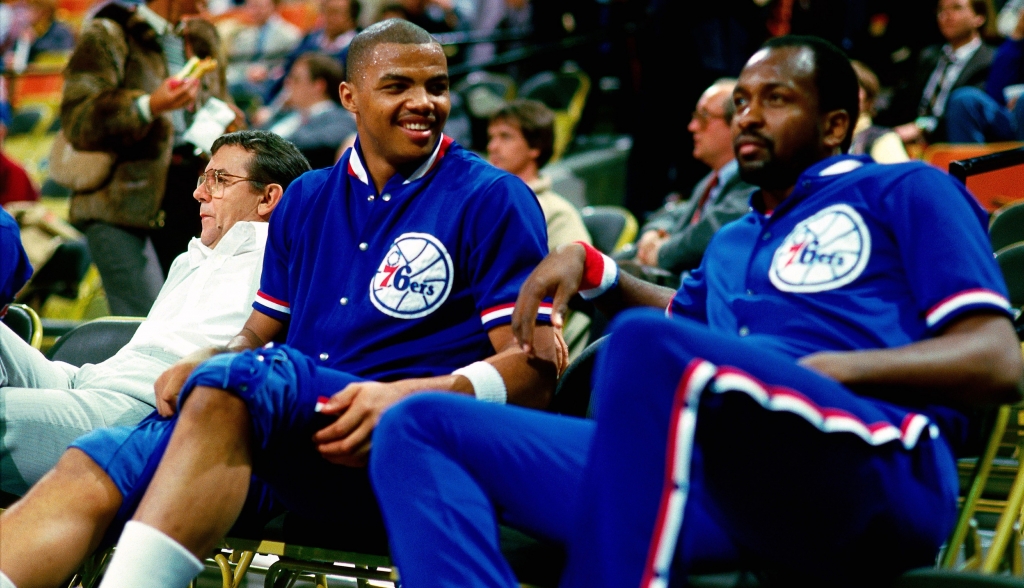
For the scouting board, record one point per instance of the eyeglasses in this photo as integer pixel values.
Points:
(215, 181)
(703, 117)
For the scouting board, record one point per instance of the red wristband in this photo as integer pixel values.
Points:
(600, 273)
(593, 267)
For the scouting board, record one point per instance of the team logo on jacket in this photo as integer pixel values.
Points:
(823, 252)
(414, 278)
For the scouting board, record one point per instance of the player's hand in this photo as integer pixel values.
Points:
(173, 94)
(648, 246)
(558, 276)
(359, 406)
(168, 385)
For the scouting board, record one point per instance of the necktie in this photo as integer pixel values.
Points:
(698, 210)
(931, 98)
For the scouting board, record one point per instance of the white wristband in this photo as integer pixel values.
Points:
(488, 385)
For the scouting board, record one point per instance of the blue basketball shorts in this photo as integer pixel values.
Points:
(281, 388)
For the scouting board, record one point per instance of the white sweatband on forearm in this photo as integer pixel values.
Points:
(5, 582)
(488, 385)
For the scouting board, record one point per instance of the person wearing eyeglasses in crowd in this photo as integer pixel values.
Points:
(45, 405)
(675, 237)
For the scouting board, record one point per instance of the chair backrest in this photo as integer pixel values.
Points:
(484, 92)
(565, 92)
(572, 394)
(993, 189)
(95, 340)
(1007, 226)
(25, 323)
(1011, 262)
(611, 227)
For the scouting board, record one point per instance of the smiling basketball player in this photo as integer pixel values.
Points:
(384, 274)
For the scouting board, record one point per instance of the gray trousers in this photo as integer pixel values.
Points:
(45, 405)
(128, 266)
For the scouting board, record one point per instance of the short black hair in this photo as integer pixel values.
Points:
(834, 77)
(535, 121)
(274, 160)
(392, 30)
(326, 68)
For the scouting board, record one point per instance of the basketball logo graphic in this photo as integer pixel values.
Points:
(414, 278)
(823, 252)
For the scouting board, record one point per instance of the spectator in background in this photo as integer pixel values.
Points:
(675, 237)
(119, 97)
(314, 119)
(881, 143)
(996, 114)
(439, 16)
(15, 269)
(521, 139)
(42, 35)
(962, 61)
(391, 10)
(257, 49)
(332, 38)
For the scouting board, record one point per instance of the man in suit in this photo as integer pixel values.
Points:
(961, 62)
(677, 234)
(314, 120)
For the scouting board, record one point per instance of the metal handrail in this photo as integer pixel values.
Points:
(965, 168)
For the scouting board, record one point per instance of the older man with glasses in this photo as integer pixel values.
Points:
(675, 237)
(45, 405)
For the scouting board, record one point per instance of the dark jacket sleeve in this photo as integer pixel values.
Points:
(685, 247)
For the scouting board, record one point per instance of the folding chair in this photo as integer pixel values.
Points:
(25, 323)
(1007, 226)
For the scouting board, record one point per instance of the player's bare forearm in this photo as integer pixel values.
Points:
(259, 329)
(976, 361)
(559, 276)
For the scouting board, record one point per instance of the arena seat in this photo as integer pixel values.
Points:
(992, 189)
(25, 323)
(1011, 262)
(1007, 226)
(611, 227)
(566, 93)
(94, 341)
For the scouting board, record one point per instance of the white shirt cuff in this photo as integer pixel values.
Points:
(142, 103)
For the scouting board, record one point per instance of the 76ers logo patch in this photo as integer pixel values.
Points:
(823, 252)
(414, 279)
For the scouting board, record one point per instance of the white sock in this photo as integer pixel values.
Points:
(5, 582)
(147, 558)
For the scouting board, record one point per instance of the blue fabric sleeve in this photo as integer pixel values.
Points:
(274, 296)
(944, 247)
(507, 239)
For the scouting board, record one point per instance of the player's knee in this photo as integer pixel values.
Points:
(407, 425)
(214, 406)
(76, 474)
